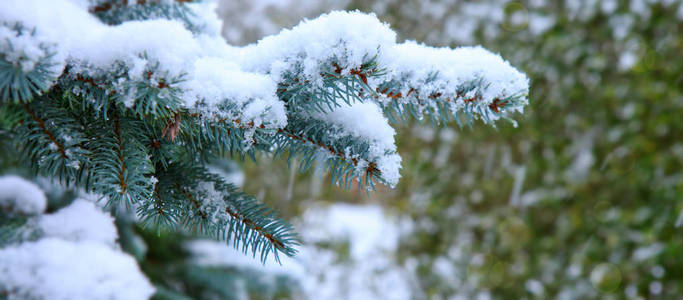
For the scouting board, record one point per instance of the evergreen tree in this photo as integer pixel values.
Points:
(131, 103)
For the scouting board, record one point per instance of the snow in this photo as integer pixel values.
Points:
(215, 79)
(105, 45)
(26, 52)
(20, 196)
(240, 83)
(349, 37)
(92, 48)
(76, 257)
(365, 121)
(365, 226)
(370, 270)
(204, 13)
(80, 221)
(534, 286)
(584, 158)
(539, 24)
(655, 287)
(456, 67)
(52, 268)
(213, 204)
(352, 38)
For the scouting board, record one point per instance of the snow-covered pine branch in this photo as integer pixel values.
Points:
(116, 97)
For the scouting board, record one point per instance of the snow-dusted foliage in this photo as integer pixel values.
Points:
(338, 57)
(131, 101)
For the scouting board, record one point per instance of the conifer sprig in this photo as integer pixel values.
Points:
(138, 120)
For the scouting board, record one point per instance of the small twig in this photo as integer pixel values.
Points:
(158, 201)
(119, 152)
(172, 128)
(279, 244)
(371, 169)
(194, 202)
(107, 6)
(497, 104)
(41, 124)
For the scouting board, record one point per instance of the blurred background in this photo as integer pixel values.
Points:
(583, 200)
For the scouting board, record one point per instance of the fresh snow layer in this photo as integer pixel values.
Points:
(240, 83)
(20, 196)
(20, 48)
(216, 79)
(76, 257)
(92, 48)
(350, 37)
(80, 221)
(52, 268)
(365, 121)
(413, 63)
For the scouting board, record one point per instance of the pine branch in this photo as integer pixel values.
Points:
(306, 95)
(136, 124)
(207, 205)
(52, 141)
(119, 154)
(253, 225)
(115, 4)
(164, 211)
(118, 12)
(22, 76)
(466, 101)
(15, 229)
(121, 166)
(43, 128)
(347, 159)
(192, 200)
(158, 202)
(209, 136)
(155, 95)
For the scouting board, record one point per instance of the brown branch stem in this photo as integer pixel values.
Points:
(50, 135)
(279, 244)
(193, 201)
(370, 170)
(119, 152)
